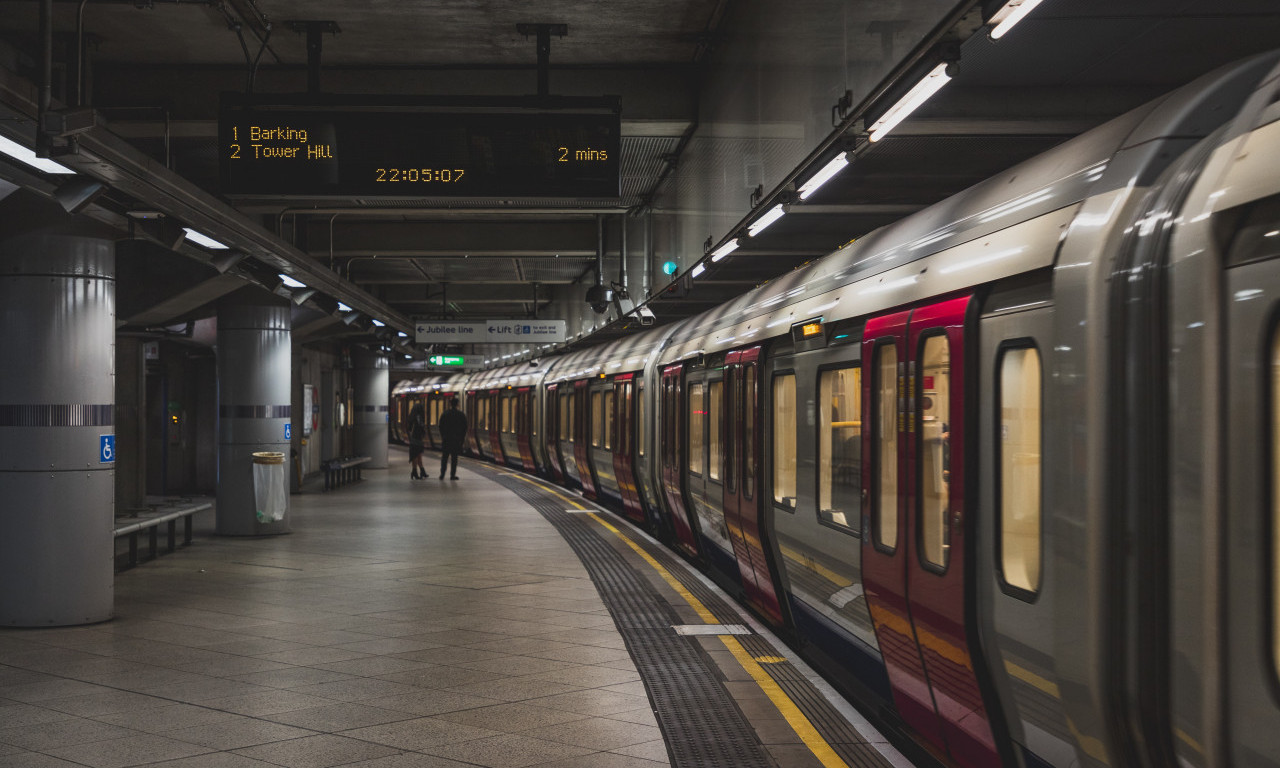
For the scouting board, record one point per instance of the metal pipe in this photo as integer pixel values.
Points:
(647, 284)
(622, 253)
(535, 301)
(43, 143)
(599, 249)
(331, 218)
(80, 56)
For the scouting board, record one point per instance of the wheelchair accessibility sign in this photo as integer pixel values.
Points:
(106, 449)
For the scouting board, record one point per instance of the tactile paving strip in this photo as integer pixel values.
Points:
(700, 722)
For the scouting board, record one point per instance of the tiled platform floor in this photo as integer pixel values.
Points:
(403, 624)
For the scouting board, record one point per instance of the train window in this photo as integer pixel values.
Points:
(609, 424)
(697, 418)
(748, 412)
(1018, 441)
(840, 449)
(714, 408)
(934, 408)
(597, 420)
(507, 421)
(884, 411)
(784, 440)
(1275, 498)
(1257, 235)
(533, 414)
(640, 424)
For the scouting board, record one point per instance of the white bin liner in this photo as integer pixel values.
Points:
(269, 490)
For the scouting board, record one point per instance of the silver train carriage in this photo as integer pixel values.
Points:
(1004, 469)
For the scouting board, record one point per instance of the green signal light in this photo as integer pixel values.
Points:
(669, 267)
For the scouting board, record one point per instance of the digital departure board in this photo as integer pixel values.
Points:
(425, 150)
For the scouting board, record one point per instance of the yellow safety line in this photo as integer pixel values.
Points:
(790, 712)
(1032, 679)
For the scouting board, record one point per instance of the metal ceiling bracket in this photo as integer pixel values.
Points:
(314, 31)
(543, 33)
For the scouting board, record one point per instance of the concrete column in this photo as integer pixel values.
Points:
(57, 416)
(254, 411)
(371, 379)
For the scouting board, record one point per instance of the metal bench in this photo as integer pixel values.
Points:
(151, 525)
(342, 471)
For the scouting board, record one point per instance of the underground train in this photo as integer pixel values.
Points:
(1005, 470)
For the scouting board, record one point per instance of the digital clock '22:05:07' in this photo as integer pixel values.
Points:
(421, 175)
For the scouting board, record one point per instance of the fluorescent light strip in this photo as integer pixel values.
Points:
(291, 282)
(205, 240)
(762, 223)
(698, 270)
(23, 155)
(1013, 12)
(828, 171)
(919, 94)
(724, 250)
(343, 307)
(379, 323)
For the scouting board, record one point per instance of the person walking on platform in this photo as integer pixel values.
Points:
(417, 440)
(453, 431)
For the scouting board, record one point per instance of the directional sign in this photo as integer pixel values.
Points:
(525, 331)
(492, 332)
(451, 333)
(450, 360)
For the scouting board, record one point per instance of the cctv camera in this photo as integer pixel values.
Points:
(645, 315)
(599, 298)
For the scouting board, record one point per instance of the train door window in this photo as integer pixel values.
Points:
(784, 440)
(609, 424)
(532, 415)
(640, 424)
(715, 407)
(840, 449)
(884, 411)
(1018, 443)
(934, 408)
(1274, 453)
(596, 421)
(697, 420)
(566, 416)
(748, 414)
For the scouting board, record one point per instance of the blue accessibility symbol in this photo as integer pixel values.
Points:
(106, 449)
(288, 431)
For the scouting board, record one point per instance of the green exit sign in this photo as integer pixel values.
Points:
(451, 360)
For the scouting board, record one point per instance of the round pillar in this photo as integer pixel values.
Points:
(254, 410)
(57, 415)
(371, 379)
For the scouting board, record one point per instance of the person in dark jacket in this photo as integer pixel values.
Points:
(417, 440)
(453, 431)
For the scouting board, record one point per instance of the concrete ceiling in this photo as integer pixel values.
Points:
(156, 69)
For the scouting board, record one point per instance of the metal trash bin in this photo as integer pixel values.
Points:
(270, 493)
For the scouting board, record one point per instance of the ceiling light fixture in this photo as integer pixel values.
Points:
(379, 323)
(698, 270)
(343, 307)
(291, 282)
(762, 223)
(203, 239)
(23, 155)
(828, 171)
(718, 254)
(919, 94)
(1013, 12)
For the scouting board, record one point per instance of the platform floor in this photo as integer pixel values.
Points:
(421, 624)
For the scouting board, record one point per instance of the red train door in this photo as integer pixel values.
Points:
(671, 455)
(742, 481)
(624, 446)
(524, 426)
(551, 432)
(494, 424)
(473, 419)
(915, 571)
(582, 436)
